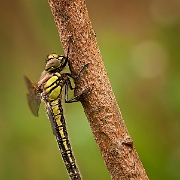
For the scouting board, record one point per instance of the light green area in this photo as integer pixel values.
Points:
(139, 42)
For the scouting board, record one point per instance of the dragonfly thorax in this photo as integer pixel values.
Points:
(51, 86)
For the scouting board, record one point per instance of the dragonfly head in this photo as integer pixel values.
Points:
(55, 63)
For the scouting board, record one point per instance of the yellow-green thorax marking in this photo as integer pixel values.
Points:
(52, 88)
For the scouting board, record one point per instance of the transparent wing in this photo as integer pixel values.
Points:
(33, 96)
(49, 113)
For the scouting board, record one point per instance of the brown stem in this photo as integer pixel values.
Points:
(104, 116)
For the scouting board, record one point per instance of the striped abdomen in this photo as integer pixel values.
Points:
(63, 141)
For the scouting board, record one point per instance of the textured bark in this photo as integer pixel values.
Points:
(100, 106)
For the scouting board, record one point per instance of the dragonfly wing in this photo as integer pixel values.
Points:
(34, 104)
(33, 96)
(49, 113)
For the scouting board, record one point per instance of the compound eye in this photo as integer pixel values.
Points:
(62, 59)
(52, 64)
(52, 56)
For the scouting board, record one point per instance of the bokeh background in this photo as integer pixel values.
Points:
(140, 44)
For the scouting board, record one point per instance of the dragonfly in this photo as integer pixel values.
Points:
(49, 90)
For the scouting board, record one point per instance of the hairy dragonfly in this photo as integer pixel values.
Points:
(49, 90)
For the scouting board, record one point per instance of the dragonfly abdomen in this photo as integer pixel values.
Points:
(63, 140)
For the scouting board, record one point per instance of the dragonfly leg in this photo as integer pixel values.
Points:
(69, 42)
(75, 98)
(67, 86)
(81, 69)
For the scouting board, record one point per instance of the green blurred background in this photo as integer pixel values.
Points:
(140, 44)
